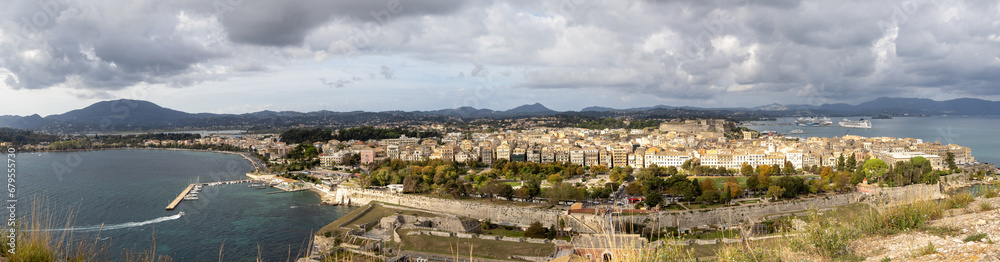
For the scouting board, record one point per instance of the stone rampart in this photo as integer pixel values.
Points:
(362, 213)
(687, 219)
(902, 195)
(727, 216)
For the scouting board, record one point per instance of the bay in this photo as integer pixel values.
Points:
(119, 196)
(976, 133)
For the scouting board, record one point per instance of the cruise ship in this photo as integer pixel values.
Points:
(813, 121)
(855, 124)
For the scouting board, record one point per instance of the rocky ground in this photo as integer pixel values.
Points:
(950, 246)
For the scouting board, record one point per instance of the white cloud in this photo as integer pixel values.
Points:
(667, 51)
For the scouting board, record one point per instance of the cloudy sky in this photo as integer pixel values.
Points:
(236, 56)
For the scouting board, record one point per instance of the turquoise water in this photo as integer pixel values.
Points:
(126, 191)
(976, 133)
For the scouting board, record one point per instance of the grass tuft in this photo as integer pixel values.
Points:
(960, 200)
(975, 237)
(988, 191)
(943, 232)
(745, 253)
(985, 206)
(925, 250)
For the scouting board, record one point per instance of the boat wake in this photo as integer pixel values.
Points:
(117, 226)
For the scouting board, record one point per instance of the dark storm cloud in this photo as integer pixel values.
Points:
(116, 44)
(833, 50)
(282, 23)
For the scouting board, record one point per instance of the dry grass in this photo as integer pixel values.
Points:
(925, 250)
(452, 246)
(36, 242)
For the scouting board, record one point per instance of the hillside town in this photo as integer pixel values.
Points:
(669, 145)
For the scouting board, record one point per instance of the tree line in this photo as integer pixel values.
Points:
(443, 177)
(24, 137)
(611, 123)
(303, 135)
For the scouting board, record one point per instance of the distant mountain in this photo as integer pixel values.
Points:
(961, 106)
(597, 109)
(137, 115)
(465, 111)
(535, 108)
(608, 109)
(122, 111)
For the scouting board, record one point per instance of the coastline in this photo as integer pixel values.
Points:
(257, 165)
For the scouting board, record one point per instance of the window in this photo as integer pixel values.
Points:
(607, 257)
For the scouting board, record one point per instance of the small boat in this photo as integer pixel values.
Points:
(796, 131)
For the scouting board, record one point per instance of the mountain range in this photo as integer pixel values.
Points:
(138, 115)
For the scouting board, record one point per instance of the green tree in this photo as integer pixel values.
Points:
(840, 163)
(652, 198)
(793, 186)
(852, 163)
(775, 192)
(616, 176)
(746, 169)
(535, 230)
(922, 163)
(627, 170)
(752, 182)
(789, 168)
(710, 196)
(599, 169)
(533, 187)
(686, 165)
(950, 159)
(842, 181)
(554, 179)
(671, 170)
(874, 169)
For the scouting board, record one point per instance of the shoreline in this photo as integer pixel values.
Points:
(246, 156)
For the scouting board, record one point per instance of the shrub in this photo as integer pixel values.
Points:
(827, 240)
(988, 191)
(535, 230)
(740, 253)
(985, 206)
(926, 250)
(905, 217)
(831, 241)
(960, 200)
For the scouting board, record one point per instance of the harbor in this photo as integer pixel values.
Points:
(190, 192)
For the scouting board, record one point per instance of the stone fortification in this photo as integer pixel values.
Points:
(730, 216)
(495, 213)
(448, 224)
(696, 126)
(718, 217)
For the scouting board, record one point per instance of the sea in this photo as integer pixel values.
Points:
(118, 198)
(976, 133)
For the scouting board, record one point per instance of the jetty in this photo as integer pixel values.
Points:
(180, 197)
(188, 194)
